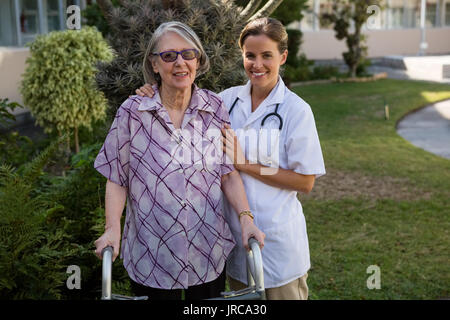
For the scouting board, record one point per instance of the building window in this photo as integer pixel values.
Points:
(22, 20)
(412, 14)
(29, 20)
(447, 14)
(406, 13)
(395, 14)
(431, 16)
(53, 20)
(324, 7)
(308, 22)
(7, 24)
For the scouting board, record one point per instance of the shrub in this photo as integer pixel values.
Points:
(58, 84)
(79, 197)
(48, 223)
(325, 72)
(14, 148)
(6, 108)
(94, 17)
(297, 66)
(31, 259)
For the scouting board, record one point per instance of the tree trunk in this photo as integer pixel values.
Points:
(250, 9)
(77, 144)
(268, 8)
(353, 71)
(357, 49)
(62, 156)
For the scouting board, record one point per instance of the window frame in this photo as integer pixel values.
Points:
(42, 15)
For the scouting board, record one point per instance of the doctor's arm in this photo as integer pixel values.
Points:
(233, 189)
(282, 178)
(276, 177)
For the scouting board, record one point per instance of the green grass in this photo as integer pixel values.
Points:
(407, 238)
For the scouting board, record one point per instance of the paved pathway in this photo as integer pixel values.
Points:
(425, 68)
(429, 128)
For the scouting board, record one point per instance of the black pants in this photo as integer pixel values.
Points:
(207, 290)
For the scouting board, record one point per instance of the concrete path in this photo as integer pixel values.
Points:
(425, 68)
(429, 128)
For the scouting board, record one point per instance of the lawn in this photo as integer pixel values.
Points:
(383, 202)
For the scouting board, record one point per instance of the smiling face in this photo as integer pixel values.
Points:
(262, 61)
(179, 74)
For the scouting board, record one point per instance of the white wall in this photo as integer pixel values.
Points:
(323, 44)
(12, 66)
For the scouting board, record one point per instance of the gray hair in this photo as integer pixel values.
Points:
(186, 33)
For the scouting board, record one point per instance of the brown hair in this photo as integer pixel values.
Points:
(270, 27)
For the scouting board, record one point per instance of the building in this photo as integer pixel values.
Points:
(394, 30)
(20, 22)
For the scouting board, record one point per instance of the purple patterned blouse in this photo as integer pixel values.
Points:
(175, 234)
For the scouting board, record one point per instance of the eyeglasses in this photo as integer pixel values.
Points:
(171, 56)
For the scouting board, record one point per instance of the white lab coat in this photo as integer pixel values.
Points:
(278, 212)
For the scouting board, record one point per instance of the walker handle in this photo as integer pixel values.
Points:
(255, 270)
(107, 254)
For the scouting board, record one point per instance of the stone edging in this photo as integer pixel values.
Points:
(375, 77)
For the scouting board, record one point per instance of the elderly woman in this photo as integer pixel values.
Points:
(175, 236)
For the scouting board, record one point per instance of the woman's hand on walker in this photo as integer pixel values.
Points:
(145, 90)
(109, 238)
(250, 230)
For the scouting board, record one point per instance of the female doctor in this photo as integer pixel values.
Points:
(274, 145)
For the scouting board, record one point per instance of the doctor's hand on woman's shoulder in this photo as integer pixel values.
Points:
(145, 90)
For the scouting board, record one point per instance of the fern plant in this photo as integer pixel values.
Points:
(80, 213)
(31, 260)
(14, 148)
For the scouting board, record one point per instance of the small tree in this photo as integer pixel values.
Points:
(131, 25)
(59, 83)
(348, 17)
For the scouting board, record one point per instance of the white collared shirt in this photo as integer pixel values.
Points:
(278, 212)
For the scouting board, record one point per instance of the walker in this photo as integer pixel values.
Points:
(255, 278)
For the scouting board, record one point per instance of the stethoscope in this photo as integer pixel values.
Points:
(275, 113)
(271, 114)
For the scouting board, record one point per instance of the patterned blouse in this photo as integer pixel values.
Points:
(175, 234)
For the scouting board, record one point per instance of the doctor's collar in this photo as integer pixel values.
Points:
(275, 96)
